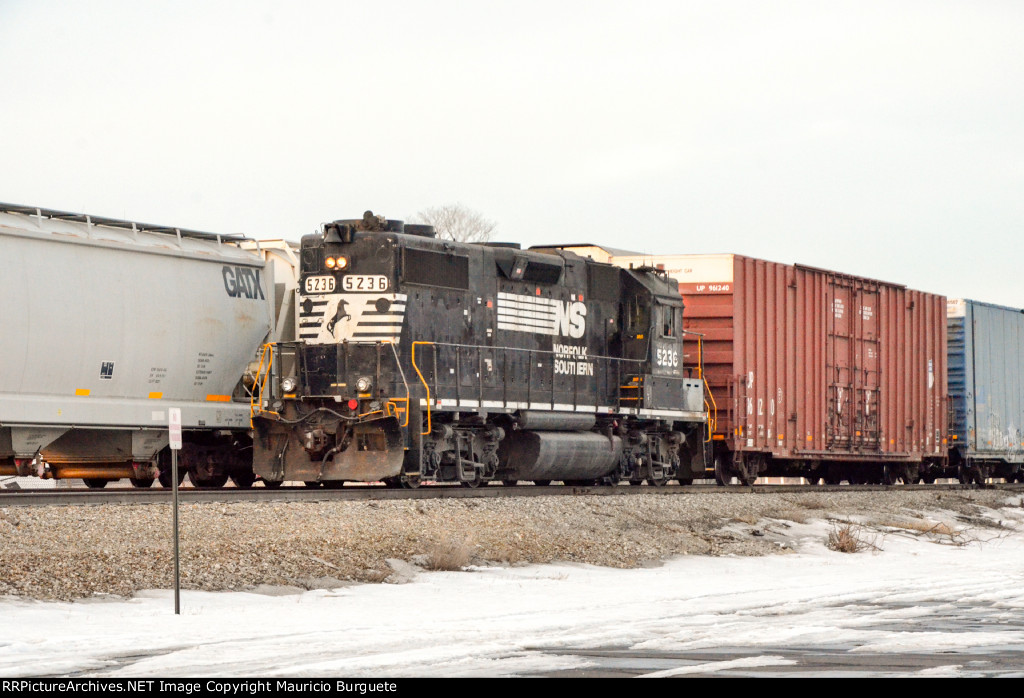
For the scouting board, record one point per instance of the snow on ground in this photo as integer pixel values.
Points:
(913, 596)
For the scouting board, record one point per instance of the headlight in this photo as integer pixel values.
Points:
(336, 263)
(289, 384)
(363, 384)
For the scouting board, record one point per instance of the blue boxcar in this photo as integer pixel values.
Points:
(986, 389)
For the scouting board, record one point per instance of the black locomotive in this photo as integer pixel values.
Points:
(423, 359)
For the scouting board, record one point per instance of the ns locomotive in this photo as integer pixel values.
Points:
(424, 359)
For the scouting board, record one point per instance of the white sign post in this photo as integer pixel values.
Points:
(174, 424)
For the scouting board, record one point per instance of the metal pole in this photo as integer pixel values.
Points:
(177, 558)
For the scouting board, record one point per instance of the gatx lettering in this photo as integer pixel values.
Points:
(242, 282)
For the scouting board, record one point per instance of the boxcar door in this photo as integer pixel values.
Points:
(867, 368)
(839, 362)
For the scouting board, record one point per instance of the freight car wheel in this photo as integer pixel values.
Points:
(312, 484)
(334, 484)
(272, 484)
(892, 474)
(141, 482)
(165, 477)
(213, 482)
(657, 481)
(510, 483)
(411, 482)
(95, 483)
(243, 481)
(636, 483)
(542, 483)
(686, 481)
(722, 476)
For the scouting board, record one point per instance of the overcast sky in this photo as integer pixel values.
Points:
(879, 138)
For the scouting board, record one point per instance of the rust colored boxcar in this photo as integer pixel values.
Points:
(814, 372)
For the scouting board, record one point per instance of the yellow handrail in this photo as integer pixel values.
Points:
(425, 386)
(256, 400)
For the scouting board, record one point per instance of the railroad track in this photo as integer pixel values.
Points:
(128, 495)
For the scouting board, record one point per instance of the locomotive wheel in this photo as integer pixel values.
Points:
(272, 484)
(165, 477)
(542, 483)
(244, 480)
(141, 482)
(95, 483)
(312, 484)
(212, 481)
(475, 482)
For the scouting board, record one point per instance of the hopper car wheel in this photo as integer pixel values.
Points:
(411, 482)
(686, 481)
(95, 483)
(510, 483)
(334, 484)
(272, 484)
(748, 481)
(657, 481)
(312, 484)
(212, 481)
(165, 477)
(610, 480)
(243, 481)
(141, 482)
(542, 483)
(635, 482)
(928, 478)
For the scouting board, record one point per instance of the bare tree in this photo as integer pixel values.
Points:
(456, 222)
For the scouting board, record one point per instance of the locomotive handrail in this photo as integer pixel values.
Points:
(712, 408)
(404, 382)
(617, 361)
(424, 381)
(256, 399)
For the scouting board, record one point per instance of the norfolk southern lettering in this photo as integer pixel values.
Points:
(243, 282)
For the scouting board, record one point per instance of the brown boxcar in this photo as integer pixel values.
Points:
(814, 372)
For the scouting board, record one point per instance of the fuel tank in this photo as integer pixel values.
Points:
(550, 455)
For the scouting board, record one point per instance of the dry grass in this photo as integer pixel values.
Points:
(450, 553)
(746, 518)
(849, 538)
(791, 515)
(922, 526)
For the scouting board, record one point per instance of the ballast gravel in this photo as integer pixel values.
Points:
(71, 552)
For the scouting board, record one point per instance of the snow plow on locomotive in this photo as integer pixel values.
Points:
(424, 359)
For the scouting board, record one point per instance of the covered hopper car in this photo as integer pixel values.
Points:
(106, 325)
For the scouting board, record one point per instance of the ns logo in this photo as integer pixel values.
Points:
(570, 318)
